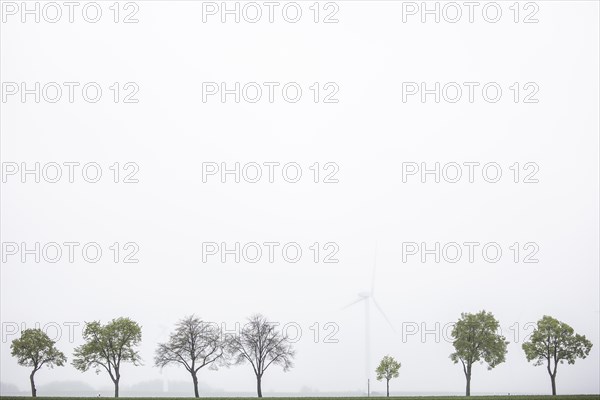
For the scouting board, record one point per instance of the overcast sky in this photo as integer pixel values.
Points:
(366, 61)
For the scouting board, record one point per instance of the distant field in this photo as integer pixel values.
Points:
(531, 397)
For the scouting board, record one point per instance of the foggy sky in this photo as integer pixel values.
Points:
(369, 133)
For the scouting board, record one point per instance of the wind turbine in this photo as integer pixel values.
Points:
(367, 298)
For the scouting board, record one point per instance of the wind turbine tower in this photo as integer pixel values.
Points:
(367, 297)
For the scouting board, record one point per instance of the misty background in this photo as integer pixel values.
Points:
(369, 213)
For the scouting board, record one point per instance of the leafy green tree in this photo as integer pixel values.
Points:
(262, 345)
(194, 344)
(107, 346)
(476, 339)
(388, 368)
(553, 342)
(35, 349)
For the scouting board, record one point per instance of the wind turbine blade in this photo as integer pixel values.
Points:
(351, 304)
(383, 313)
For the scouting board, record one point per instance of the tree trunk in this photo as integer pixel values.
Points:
(552, 377)
(195, 379)
(258, 387)
(468, 391)
(33, 389)
(388, 387)
(116, 388)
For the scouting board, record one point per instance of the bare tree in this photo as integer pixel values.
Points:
(194, 344)
(261, 345)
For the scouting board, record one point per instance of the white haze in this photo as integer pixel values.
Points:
(369, 133)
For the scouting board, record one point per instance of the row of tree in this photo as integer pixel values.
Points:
(196, 344)
(476, 339)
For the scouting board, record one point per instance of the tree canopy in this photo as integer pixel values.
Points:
(388, 369)
(476, 338)
(554, 342)
(107, 346)
(262, 345)
(194, 344)
(35, 349)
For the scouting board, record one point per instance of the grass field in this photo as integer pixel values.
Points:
(530, 397)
